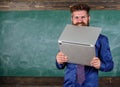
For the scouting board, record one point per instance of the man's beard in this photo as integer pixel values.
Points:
(81, 24)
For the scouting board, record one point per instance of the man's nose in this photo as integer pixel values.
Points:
(80, 19)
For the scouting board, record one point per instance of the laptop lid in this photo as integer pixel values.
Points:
(80, 34)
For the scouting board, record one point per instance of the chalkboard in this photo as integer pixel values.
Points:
(28, 40)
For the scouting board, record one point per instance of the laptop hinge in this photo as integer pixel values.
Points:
(60, 42)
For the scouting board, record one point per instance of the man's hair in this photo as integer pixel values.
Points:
(79, 6)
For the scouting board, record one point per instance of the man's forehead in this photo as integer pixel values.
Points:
(79, 12)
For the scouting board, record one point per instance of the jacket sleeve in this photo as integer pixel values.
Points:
(60, 66)
(105, 55)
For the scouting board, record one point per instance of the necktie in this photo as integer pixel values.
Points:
(80, 74)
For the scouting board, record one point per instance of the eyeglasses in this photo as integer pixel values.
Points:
(82, 17)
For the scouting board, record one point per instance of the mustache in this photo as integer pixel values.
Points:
(80, 23)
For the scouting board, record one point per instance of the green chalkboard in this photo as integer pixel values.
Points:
(28, 40)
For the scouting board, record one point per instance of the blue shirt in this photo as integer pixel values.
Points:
(91, 74)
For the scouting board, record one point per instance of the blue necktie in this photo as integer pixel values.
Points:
(80, 74)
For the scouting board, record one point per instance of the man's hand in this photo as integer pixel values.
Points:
(95, 63)
(61, 58)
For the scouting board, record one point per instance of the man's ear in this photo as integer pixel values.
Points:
(71, 17)
(89, 17)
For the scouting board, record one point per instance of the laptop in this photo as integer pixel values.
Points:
(78, 43)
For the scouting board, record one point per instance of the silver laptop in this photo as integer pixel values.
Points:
(78, 43)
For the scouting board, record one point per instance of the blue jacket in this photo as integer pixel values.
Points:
(91, 74)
